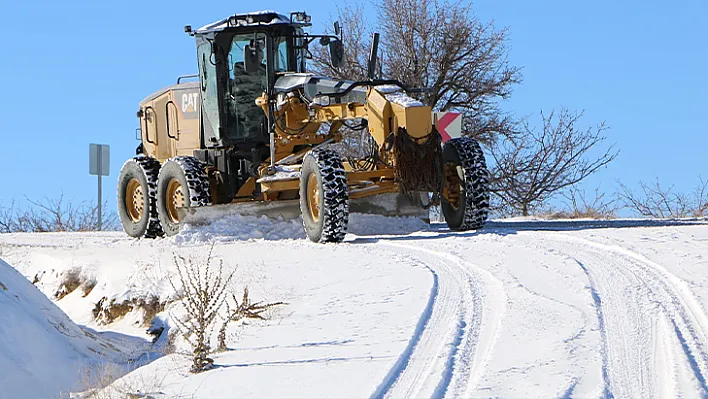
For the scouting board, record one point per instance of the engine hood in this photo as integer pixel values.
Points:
(312, 85)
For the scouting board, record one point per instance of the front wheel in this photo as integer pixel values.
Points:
(182, 183)
(465, 191)
(324, 196)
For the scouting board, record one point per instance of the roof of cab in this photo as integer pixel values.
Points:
(258, 18)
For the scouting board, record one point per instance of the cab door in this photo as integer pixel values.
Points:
(246, 121)
(208, 91)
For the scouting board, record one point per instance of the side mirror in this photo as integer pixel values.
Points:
(251, 60)
(336, 53)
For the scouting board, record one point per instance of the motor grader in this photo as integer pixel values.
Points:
(256, 129)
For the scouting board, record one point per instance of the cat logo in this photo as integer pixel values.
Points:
(189, 102)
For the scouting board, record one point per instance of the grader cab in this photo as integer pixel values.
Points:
(258, 129)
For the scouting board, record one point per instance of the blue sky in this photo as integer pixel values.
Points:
(74, 72)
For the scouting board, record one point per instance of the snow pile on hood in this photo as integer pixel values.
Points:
(42, 352)
(396, 95)
(403, 99)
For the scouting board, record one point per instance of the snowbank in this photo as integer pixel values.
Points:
(42, 352)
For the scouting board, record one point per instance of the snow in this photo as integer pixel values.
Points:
(281, 172)
(403, 100)
(248, 227)
(523, 308)
(241, 228)
(386, 89)
(396, 95)
(224, 23)
(42, 352)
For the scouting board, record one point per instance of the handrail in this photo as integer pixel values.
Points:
(366, 83)
(167, 119)
(187, 77)
(147, 132)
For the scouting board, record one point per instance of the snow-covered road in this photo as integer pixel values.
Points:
(520, 309)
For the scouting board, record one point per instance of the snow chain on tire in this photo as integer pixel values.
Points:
(194, 182)
(476, 182)
(335, 206)
(150, 168)
(197, 180)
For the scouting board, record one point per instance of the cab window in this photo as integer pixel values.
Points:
(281, 55)
(245, 120)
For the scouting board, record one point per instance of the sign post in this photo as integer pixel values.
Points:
(99, 165)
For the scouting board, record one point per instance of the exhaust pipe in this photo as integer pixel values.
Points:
(373, 55)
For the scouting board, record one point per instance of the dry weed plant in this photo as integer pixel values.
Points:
(203, 294)
(243, 310)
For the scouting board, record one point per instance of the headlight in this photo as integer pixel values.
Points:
(322, 101)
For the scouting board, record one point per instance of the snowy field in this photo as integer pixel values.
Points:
(401, 309)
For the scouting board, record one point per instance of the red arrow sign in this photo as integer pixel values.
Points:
(443, 123)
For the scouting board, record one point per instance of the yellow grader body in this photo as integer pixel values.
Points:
(170, 127)
(257, 128)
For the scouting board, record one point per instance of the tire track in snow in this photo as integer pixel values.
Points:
(449, 355)
(634, 290)
(606, 393)
(665, 358)
(404, 358)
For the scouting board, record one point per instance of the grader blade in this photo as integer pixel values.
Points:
(390, 205)
(205, 215)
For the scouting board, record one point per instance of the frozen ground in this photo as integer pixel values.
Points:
(521, 309)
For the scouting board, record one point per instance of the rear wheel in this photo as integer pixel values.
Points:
(182, 183)
(324, 196)
(137, 207)
(465, 191)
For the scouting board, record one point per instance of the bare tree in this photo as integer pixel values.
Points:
(663, 202)
(356, 40)
(530, 168)
(438, 45)
(8, 220)
(701, 197)
(203, 293)
(51, 215)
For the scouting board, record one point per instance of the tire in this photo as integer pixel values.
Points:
(324, 196)
(137, 207)
(465, 192)
(182, 182)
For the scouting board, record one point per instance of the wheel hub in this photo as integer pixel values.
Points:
(313, 197)
(135, 200)
(453, 184)
(175, 199)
